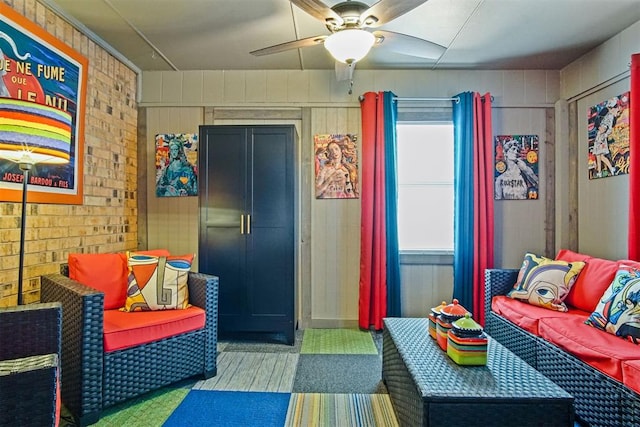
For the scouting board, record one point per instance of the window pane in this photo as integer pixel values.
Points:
(425, 186)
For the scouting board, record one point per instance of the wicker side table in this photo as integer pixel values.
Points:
(429, 389)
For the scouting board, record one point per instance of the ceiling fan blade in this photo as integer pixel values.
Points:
(295, 44)
(387, 10)
(409, 45)
(318, 10)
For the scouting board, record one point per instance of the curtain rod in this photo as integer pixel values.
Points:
(397, 98)
(455, 98)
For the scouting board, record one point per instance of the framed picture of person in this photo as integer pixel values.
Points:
(608, 128)
(516, 167)
(176, 164)
(336, 166)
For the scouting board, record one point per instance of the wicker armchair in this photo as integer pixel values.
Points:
(95, 379)
(29, 364)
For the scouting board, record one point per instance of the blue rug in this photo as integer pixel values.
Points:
(225, 408)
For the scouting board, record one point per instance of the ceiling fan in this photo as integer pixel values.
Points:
(353, 31)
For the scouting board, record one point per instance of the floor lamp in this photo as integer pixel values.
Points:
(32, 133)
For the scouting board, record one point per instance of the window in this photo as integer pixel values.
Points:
(425, 186)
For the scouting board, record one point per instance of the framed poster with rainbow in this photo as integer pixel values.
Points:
(35, 66)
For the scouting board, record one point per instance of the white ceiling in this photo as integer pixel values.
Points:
(219, 34)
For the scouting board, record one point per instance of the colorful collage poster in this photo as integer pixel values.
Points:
(176, 164)
(516, 167)
(336, 166)
(608, 127)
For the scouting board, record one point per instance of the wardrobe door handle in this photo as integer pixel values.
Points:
(248, 224)
(241, 224)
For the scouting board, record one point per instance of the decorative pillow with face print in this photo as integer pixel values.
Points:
(545, 282)
(618, 311)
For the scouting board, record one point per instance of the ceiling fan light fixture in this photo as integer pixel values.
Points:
(349, 45)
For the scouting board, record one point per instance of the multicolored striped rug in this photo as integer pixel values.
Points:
(337, 341)
(345, 410)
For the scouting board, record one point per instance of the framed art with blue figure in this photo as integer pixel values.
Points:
(176, 165)
(516, 167)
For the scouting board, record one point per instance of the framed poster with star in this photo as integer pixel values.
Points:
(516, 167)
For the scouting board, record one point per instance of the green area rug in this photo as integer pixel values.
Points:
(151, 409)
(337, 341)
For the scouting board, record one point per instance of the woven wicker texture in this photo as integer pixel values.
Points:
(81, 355)
(94, 380)
(599, 399)
(521, 343)
(129, 373)
(480, 395)
(630, 408)
(29, 364)
(497, 282)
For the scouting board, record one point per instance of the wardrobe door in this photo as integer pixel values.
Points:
(247, 225)
(223, 189)
(270, 250)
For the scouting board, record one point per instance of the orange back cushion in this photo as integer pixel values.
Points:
(594, 279)
(104, 272)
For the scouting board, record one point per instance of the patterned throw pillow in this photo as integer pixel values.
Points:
(157, 282)
(545, 282)
(618, 311)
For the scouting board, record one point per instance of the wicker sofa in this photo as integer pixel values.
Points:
(29, 364)
(600, 399)
(96, 377)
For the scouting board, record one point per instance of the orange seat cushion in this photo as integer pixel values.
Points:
(526, 315)
(593, 280)
(631, 374)
(124, 329)
(603, 351)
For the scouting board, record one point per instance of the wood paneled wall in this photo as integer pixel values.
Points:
(335, 231)
(329, 230)
(171, 222)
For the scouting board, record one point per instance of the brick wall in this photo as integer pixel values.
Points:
(107, 219)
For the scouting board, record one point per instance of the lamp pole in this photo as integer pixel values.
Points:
(25, 166)
(32, 133)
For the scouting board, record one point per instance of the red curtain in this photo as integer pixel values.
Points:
(373, 257)
(483, 200)
(634, 163)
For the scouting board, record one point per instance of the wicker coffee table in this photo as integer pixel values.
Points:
(429, 389)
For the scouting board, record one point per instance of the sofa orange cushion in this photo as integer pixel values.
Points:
(603, 351)
(526, 315)
(104, 272)
(124, 329)
(631, 374)
(594, 279)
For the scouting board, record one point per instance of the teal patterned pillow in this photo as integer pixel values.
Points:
(618, 311)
